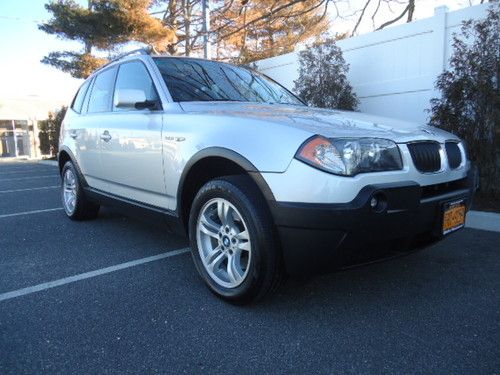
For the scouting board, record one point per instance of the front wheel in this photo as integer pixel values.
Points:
(233, 241)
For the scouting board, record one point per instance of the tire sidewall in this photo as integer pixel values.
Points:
(226, 190)
(69, 165)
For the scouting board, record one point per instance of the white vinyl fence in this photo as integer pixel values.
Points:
(393, 70)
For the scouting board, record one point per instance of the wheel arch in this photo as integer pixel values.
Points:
(211, 163)
(65, 155)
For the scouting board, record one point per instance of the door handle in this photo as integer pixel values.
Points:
(73, 134)
(106, 137)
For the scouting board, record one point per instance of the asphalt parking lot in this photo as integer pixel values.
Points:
(127, 299)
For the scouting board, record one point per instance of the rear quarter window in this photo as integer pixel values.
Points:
(80, 97)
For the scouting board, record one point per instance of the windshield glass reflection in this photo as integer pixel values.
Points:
(201, 80)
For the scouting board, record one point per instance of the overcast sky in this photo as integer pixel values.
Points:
(23, 46)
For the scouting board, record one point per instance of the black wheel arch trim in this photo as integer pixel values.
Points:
(229, 155)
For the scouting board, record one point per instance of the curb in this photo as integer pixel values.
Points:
(48, 162)
(483, 220)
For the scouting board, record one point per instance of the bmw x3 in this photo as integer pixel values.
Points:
(262, 184)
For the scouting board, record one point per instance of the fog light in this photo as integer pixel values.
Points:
(378, 202)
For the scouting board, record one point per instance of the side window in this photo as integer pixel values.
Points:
(80, 96)
(133, 84)
(85, 106)
(100, 97)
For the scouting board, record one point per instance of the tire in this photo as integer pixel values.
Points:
(75, 203)
(248, 269)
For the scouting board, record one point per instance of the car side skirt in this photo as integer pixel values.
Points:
(133, 208)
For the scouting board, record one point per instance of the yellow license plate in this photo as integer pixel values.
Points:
(453, 217)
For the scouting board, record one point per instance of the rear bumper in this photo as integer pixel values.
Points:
(314, 236)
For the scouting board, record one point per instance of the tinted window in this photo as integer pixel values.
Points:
(85, 106)
(134, 76)
(202, 80)
(80, 96)
(100, 98)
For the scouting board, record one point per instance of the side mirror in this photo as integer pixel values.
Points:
(129, 98)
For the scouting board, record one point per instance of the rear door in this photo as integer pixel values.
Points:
(131, 152)
(96, 108)
(77, 133)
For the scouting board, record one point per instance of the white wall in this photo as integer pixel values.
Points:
(393, 70)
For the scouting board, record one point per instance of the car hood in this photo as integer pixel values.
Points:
(325, 122)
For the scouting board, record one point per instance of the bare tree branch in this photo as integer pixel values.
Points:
(411, 9)
(360, 17)
(375, 12)
(258, 19)
(411, 4)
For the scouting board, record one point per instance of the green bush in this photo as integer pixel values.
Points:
(470, 101)
(49, 132)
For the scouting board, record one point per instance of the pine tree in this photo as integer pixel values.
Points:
(103, 25)
(322, 78)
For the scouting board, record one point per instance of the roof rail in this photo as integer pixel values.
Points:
(140, 51)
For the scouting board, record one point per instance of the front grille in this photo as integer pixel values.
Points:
(425, 156)
(454, 155)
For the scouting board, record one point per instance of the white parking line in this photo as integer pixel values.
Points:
(29, 178)
(31, 212)
(87, 275)
(38, 188)
(28, 171)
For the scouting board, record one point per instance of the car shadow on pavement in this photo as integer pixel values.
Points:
(454, 269)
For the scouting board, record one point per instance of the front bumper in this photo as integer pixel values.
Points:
(314, 235)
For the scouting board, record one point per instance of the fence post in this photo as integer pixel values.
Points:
(440, 14)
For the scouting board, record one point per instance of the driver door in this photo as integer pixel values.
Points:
(131, 151)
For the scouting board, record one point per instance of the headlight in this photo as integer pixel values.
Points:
(350, 156)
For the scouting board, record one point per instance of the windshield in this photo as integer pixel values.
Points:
(191, 80)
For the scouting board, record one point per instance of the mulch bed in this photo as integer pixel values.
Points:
(482, 203)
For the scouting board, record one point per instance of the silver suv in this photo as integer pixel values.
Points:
(262, 184)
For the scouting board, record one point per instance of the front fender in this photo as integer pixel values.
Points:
(233, 156)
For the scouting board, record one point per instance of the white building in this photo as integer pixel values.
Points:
(18, 125)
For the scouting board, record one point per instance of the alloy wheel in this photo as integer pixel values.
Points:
(69, 192)
(223, 242)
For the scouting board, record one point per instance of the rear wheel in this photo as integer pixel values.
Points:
(75, 203)
(233, 241)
